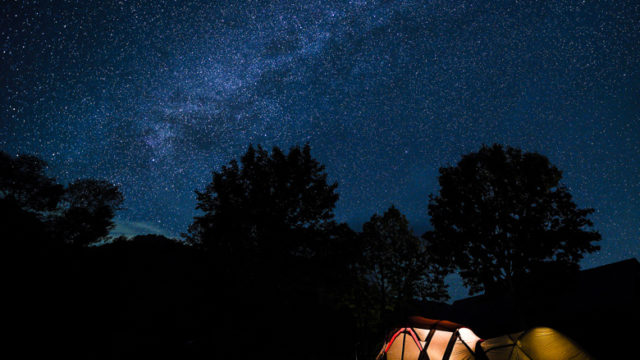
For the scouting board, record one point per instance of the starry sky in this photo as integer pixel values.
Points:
(154, 95)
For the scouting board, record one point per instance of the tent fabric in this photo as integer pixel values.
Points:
(424, 323)
(427, 339)
(535, 344)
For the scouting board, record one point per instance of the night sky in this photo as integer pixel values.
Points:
(154, 95)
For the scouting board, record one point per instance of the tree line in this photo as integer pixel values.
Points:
(265, 269)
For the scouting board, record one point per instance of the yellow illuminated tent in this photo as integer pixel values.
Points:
(536, 344)
(426, 339)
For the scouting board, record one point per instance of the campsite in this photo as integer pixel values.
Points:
(262, 284)
(320, 179)
(560, 322)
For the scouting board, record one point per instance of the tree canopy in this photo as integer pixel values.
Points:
(264, 199)
(501, 214)
(23, 182)
(397, 262)
(86, 211)
(37, 209)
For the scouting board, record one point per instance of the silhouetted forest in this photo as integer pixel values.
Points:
(265, 269)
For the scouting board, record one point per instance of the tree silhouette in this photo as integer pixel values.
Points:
(85, 214)
(274, 248)
(397, 263)
(27, 197)
(23, 182)
(269, 203)
(502, 214)
(35, 209)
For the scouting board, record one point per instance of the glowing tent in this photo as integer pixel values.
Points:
(426, 339)
(536, 344)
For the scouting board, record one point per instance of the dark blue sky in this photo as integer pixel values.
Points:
(154, 95)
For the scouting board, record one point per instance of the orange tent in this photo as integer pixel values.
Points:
(427, 339)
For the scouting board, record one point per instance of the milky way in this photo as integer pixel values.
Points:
(154, 95)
